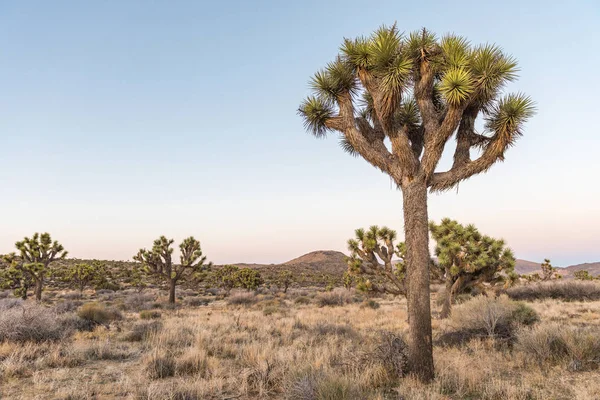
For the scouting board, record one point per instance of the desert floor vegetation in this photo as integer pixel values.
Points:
(304, 344)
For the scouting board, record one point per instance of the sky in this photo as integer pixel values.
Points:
(124, 120)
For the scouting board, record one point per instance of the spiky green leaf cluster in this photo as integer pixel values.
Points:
(507, 116)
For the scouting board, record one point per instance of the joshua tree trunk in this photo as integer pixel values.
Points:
(172, 291)
(417, 259)
(447, 300)
(39, 284)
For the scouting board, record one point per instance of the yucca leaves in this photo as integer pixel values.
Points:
(508, 115)
(333, 81)
(347, 146)
(315, 113)
(408, 113)
(456, 51)
(457, 85)
(357, 52)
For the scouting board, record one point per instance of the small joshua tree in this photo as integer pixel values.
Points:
(12, 276)
(371, 254)
(284, 280)
(37, 253)
(548, 271)
(583, 275)
(469, 259)
(249, 279)
(82, 275)
(158, 261)
(226, 277)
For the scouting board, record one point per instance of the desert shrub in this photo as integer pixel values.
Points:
(142, 331)
(150, 314)
(100, 292)
(98, 314)
(242, 299)
(324, 328)
(4, 294)
(7, 304)
(138, 302)
(567, 290)
(370, 304)
(160, 365)
(31, 323)
(72, 296)
(193, 363)
(313, 384)
(66, 306)
(73, 321)
(487, 317)
(576, 348)
(391, 352)
(196, 301)
(105, 350)
(338, 297)
(302, 300)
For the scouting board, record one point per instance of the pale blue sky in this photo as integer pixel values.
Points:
(124, 120)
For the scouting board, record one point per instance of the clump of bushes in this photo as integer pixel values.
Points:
(98, 314)
(22, 322)
(160, 365)
(302, 300)
(150, 314)
(488, 317)
(138, 302)
(568, 290)
(337, 297)
(142, 331)
(242, 299)
(370, 304)
(318, 384)
(576, 348)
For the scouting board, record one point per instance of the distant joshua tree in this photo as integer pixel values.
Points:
(469, 259)
(396, 101)
(583, 275)
(284, 279)
(37, 254)
(82, 275)
(249, 279)
(371, 254)
(548, 271)
(158, 261)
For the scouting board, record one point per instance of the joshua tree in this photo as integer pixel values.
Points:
(249, 279)
(468, 259)
(285, 279)
(583, 275)
(158, 261)
(548, 271)
(226, 277)
(12, 275)
(82, 275)
(371, 255)
(417, 92)
(37, 253)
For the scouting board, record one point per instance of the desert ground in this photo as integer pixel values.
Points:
(304, 344)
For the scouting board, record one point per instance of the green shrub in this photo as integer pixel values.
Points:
(150, 314)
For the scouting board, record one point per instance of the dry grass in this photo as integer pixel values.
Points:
(302, 351)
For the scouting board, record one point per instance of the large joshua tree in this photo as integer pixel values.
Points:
(159, 262)
(37, 253)
(396, 101)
